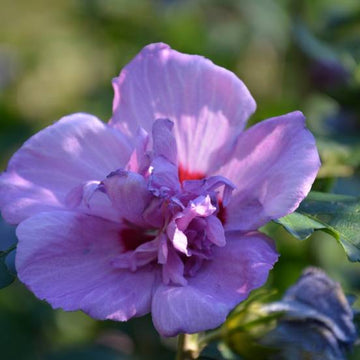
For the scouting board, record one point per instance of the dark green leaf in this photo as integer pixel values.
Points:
(10, 262)
(7, 267)
(312, 46)
(6, 278)
(210, 352)
(217, 351)
(338, 215)
(91, 353)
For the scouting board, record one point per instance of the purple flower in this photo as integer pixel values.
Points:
(157, 211)
(317, 321)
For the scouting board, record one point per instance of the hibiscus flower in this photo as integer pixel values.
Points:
(158, 210)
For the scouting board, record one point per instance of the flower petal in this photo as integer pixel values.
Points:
(76, 149)
(215, 231)
(164, 179)
(177, 237)
(209, 105)
(200, 206)
(220, 284)
(142, 255)
(173, 270)
(129, 195)
(140, 159)
(318, 292)
(61, 259)
(273, 167)
(303, 340)
(164, 143)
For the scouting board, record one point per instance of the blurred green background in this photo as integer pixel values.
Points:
(59, 57)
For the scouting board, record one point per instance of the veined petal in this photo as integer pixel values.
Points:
(164, 143)
(140, 160)
(220, 284)
(72, 269)
(209, 105)
(76, 149)
(273, 167)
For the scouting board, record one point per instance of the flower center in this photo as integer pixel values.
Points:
(188, 221)
(170, 217)
(174, 228)
(185, 174)
(131, 239)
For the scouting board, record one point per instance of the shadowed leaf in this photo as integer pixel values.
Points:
(338, 215)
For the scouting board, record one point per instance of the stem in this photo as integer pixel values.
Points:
(180, 355)
(211, 336)
(248, 325)
(188, 348)
(7, 251)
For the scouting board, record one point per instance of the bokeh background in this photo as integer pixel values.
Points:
(59, 57)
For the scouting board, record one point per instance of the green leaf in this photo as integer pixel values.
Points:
(312, 46)
(299, 225)
(338, 215)
(96, 352)
(7, 275)
(217, 351)
(210, 352)
(6, 278)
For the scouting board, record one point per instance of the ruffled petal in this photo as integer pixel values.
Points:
(220, 284)
(88, 199)
(164, 179)
(200, 206)
(173, 270)
(129, 195)
(76, 149)
(177, 237)
(142, 255)
(209, 105)
(273, 167)
(215, 231)
(61, 259)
